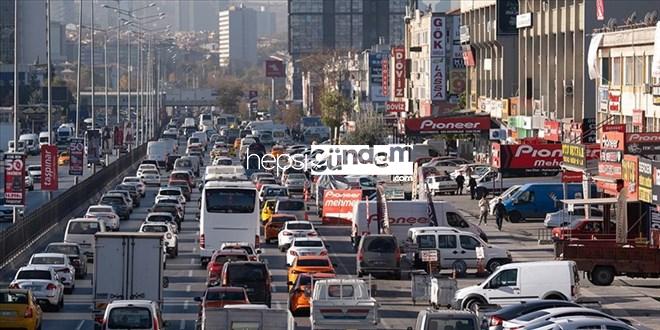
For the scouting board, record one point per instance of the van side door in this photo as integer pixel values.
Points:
(448, 251)
(468, 250)
(424, 242)
(504, 288)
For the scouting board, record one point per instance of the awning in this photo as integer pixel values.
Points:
(603, 178)
(590, 201)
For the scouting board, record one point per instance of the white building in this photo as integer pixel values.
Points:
(237, 37)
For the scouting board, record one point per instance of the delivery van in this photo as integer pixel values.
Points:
(404, 215)
(535, 200)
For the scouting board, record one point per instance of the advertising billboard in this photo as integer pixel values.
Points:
(376, 77)
(77, 154)
(49, 167)
(643, 143)
(338, 203)
(438, 36)
(645, 180)
(385, 80)
(399, 55)
(438, 79)
(274, 69)
(448, 125)
(527, 159)
(15, 179)
(629, 175)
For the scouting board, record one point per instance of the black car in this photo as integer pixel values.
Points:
(132, 190)
(496, 319)
(170, 162)
(254, 276)
(171, 209)
(119, 204)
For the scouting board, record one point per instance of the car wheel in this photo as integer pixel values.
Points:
(493, 265)
(515, 217)
(473, 304)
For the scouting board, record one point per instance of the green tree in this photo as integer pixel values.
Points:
(369, 130)
(333, 107)
(230, 94)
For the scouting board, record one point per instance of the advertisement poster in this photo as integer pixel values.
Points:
(456, 82)
(93, 146)
(118, 137)
(525, 159)
(107, 141)
(77, 153)
(385, 80)
(645, 178)
(49, 167)
(376, 76)
(15, 179)
(448, 125)
(399, 54)
(646, 144)
(438, 38)
(338, 204)
(438, 79)
(629, 175)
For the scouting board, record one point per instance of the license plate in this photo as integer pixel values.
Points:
(32, 287)
(7, 313)
(300, 235)
(307, 254)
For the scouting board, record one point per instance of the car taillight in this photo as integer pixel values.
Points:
(312, 233)
(202, 241)
(28, 313)
(293, 253)
(324, 253)
(495, 320)
(257, 241)
(51, 286)
(397, 253)
(214, 267)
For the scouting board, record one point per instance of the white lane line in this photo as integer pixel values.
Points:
(190, 273)
(192, 261)
(185, 305)
(188, 288)
(80, 325)
(182, 324)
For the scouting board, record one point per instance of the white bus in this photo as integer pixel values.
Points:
(229, 213)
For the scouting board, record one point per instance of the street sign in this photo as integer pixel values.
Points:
(77, 154)
(15, 179)
(274, 69)
(479, 250)
(429, 255)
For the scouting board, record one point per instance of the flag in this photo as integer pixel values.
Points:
(430, 210)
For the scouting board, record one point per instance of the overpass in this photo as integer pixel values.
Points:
(172, 97)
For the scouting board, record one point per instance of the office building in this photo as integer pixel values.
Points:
(31, 32)
(265, 23)
(237, 37)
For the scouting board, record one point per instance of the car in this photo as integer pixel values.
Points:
(272, 191)
(119, 204)
(222, 161)
(183, 185)
(171, 159)
(61, 264)
(219, 297)
(305, 246)
(186, 163)
(183, 175)
(440, 184)
(133, 314)
(144, 167)
(105, 213)
(267, 209)
(564, 217)
(139, 184)
(275, 224)
(549, 314)
(6, 212)
(168, 192)
(150, 177)
(19, 310)
(294, 229)
(300, 295)
(170, 238)
(174, 200)
(218, 260)
(495, 319)
(29, 183)
(171, 209)
(133, 192)
(165, 217)
(81, 231)
(73, 251)
(254, 276)
(308, 264)
(44, 284)
(64, 158)
(127, 195)
(297, 207)
(263, 181)
(580, 323)
(583, 229)
(34, 171)
(297, 184)
(253, 254)
(430, 319)
(378, 254)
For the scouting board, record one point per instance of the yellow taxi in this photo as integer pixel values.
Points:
(308, 264)
(273, 226)
(63, 158)
(267, 210)
(301, 294)
(276, 150)
(18, 310)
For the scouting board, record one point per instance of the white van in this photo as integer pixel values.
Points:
(203, 138)
(457, 249)
(10, 146)
(158, 151)
(526, 281)
(31, 142)
(81, 231)
(229, 212)
(44, 139)
(405, 215)
(65, 132)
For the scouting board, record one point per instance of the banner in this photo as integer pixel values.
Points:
(49, 167)
(438, 38)
(526, 159)
(629, 175)
(15, 179)
(645, 180)
(376, 76)
(438, 81)
(395, 106)
(77, 154)
(552, 131)
(399, 54)
(448, 125)
(93, 146)
(107, 141)
(338, 203)
(385, 70)
(643, 143)
(118, 137)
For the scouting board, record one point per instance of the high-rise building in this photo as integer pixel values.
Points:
(318, 25)
(198, 15)
(237, 37)
(31, 32)
(265, 23)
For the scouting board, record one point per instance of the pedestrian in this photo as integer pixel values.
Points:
(472, 183)
(500, 213)
(460, 180)
(483, 210)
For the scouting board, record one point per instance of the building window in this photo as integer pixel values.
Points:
(629, 70)
(649, 66)
(639, 70)
(616, 72)
(605, 71)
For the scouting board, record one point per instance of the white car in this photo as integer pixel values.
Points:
(150, 177)
(253, 254)
(565, 218)
(34, 171)
(581, 323)
(170, 237)
(294, 229)
(141, 187)
(305, 246)
(222, 160)
(62, 266)
(144, 167)
(44, 283)
(158, 217)
(105, 213)
(552, 313)
(133, 314)
(170, 192)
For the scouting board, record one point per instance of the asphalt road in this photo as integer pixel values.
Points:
(633, 299)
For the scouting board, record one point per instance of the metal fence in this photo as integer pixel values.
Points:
(20, 235)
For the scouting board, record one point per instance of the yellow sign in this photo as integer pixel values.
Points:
(574, 154)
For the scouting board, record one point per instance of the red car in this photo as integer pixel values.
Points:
(219, 297)
(585, 229)
(183, 176)
(218, 260)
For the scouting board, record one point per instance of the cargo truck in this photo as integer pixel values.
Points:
(257, 317)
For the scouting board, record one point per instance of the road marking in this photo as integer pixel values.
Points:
(182, 324)
(190, 273)
(185, 305)
(192, 261)
(188, 288)
(80, 325)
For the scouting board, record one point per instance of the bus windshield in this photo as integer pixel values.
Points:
(230, 200)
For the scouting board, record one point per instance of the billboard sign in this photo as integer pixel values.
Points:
(93, 146)
(448, 125)
(394, 106)
(376, 77)
(438, 36)
(643, 143)
(15, 179)
(77, 154)
(274, 69)
(629, 175)
(385, 80)
(541, 159)
(399, 54)
(645, 180)
(438, 79)
(552, 130)
(338, 203)
(49, 167)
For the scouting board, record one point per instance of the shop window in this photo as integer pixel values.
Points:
(605, 71)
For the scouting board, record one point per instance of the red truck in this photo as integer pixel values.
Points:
(602, 260)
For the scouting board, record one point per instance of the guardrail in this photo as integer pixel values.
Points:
(20, 235)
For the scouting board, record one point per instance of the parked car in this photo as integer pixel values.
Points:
(531, 320)
(450, 319)
(19, 310)
(305, 246)
(252, 275)
(73, 251)
(44, 284)
(133, 314)
(583, 229)
(441, 184)
(379, 254)
(294, 229)
(564, 217)
(584, 323)
(66, 273)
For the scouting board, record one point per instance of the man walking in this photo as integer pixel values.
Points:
(483, 210)
(472, 183)
(500, 213)
(460, 180)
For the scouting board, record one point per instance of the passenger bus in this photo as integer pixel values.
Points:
(229, 213)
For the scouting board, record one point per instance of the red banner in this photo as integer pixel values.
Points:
(638, 118)
(338, 204)
(399, 55)
(552, 131)
(614, 128)
(77, 154)
(448, 125)
(385, 82)
(15, 179)
(49, 167)
(526, 158)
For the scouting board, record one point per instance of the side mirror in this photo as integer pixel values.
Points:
(258, 251)
(198, 299)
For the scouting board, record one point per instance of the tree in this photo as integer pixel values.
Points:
(230, 93)
(333, 107)
(292, 117)
(369, 130)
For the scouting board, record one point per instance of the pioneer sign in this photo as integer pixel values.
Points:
(643, 143)
(527, 159)
(448, 125)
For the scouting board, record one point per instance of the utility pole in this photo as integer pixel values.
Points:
(80, 23)
(50, 78)
(15, 213)
(118, 68)
(92, 81)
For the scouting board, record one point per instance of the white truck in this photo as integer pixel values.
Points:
(404, 215)
(158, 151)
(492, 182)
(128, 266)
(343, 304)
(257, 317)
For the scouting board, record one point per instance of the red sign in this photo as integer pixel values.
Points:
(385, 82)
(15, 179)
(118, 137)
(447, 125)
(399, 54)
(552, 130)
(394, 106)
(468, 57)
(274, 69)
(638, 118)
(614, 128)
(629, 175)
(49, 167)
(571, 177)
(613, 141)
(77, 154)
(615, 102)
(600, 10)
(526, 158)
(643, 143)
(338, 204)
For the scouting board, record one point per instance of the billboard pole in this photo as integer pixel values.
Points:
(50, 99)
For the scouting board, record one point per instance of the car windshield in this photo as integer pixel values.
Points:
(164, 208)
(313, 263)
(13, 298)
(126, 187)
(112, 200)
(193, 140)
(224, 162)
(222, 258)
(159, 218)
(170, 192)
(455, 322)
(297, 176)
(230, 200)
(308, 243)
(99, 209)
(47, 261)
(276, 192)
(130, 318)
(150, 172)
(184, 163)
(291, 205)
(382, 245)
(239, 247)
(33, 275)
(154, 229)
(64, 249)
(214, 295)
(267, 181)
(83, 228)
(246, 272)
(299, 226)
